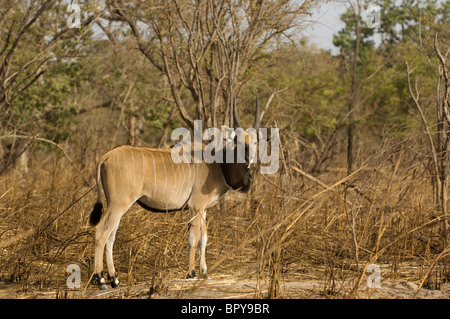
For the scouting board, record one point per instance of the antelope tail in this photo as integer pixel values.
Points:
(96, 213)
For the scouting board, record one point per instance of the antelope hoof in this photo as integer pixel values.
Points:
(97, 279)
(104, 287)
(114, 281)
(191, 275)
(205, 276)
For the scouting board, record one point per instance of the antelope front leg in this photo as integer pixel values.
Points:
(202, 246)
(194, 236)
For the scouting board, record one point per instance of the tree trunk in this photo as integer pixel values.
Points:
(444, 138)
(354, 93)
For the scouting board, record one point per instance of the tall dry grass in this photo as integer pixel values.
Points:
(289, 227)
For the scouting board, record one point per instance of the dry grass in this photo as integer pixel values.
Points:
(288, 228)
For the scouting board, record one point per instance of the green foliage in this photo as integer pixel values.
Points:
(313, 88)
(39, 68)
(406, 30)
(346, 38)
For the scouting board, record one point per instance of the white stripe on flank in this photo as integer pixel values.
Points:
(126, 168)
(134, 168)
(120, 171)
(180, 186)
(150, 151)
(154, 174)
(183, 189)
(165, 172)
(176, 184)
(174, 176)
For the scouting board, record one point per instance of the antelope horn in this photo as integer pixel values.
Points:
(257, 116)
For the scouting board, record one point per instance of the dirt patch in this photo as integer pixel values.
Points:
(226, 288)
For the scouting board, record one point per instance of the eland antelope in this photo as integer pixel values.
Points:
(152, 179)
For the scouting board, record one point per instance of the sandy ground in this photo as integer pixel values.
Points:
(226, 288)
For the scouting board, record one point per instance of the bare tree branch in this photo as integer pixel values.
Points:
(422, 116)
(206, 48)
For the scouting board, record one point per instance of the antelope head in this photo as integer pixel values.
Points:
(242, 145)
